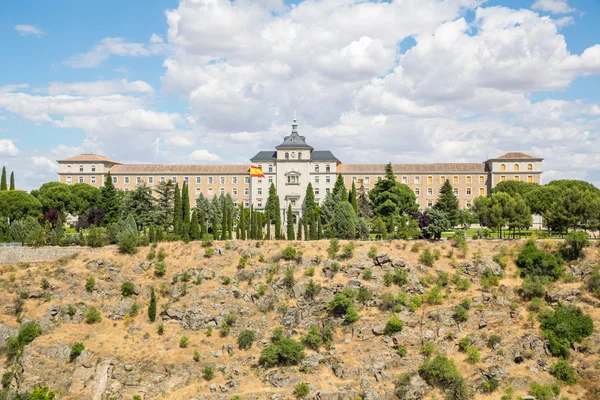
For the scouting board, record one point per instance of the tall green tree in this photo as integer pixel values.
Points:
(273, 211)
(3, 179)
(309, 211)
(224, 224)
(339, 189)
(141, 205)
(16, 205)
(448, 202)
(152, 306)
(165, 197)
(391, 198)
(194, 226)
(438, 223)
(215, 217)
(12, 181)
(344, 221)
(85, 198)
(203, 206)
(365, 206)
(242, 222)
(290, 223)
(177, 211)
(300, 224)
(185, 203)
(110, 201)
(353, 198)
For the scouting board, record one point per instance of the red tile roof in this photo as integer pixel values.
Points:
(413, 168)
(89, 157)
(514, 155)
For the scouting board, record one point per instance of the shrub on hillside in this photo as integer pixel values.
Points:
(348, 250)
(128, 244)
(564, 372)
(302, 389)
(208, 372)
(90, 283)
(334, 247)
(575, 242)
(127, 289)
(76, 351)
(532, 287)
(533, 261)
(544, 392)
(289, 253)
(441, 371)
(284, 352)
(28, 333)
(313, 338)
(340, 304)
(565, 326)
(592, 283)
(393, 325)
(426, 258)
(93, 316)
(160, 269)
(245, 339)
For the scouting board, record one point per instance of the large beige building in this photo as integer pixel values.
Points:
(293, 164)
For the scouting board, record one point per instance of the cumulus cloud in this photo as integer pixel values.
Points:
(553, 6)
(99, 88)
(115, 46)
(8, 148)
(44, 163)
(203, 155)
(29, 30)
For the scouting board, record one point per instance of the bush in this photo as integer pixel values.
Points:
(532, 287)
(464, 344)
(364, 295)
(209, 372)
(488, 279)
(288, 279)
(160, 269)
(128, 244)
(284, 352)
(461, 314)
(564, 372)
(313, 339)
(209, 252)
(373, 252)
(7, 378)
(162, 254)
(277, 335)
(575, 242)
(93, 316)
(90, 283)
(289, 253)
(152, 306)
(340, 304)
(196, 356)
(312, 289)
(473, 355)
(393, 325)
(127, 289)
(368, 274)
(401, 351)
(566, 326)
(351, 315)
(302, 389)
(426, 258)
(334, 247)
(184, 342)
(533, 261)
(45, 284)
(348, 250)
(310, 271)
(76, 351)
(441, 371)
(245, 339)
(536, 304)
(493, 341)
(489, 385)
(161, 329)
(544, 392)
(28, 333)
(592, 283)
(427, 349)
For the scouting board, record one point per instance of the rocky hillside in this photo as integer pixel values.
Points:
(220, 306)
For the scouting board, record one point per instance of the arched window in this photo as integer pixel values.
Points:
(287, 156)
(327, 168)
(68, 168)
(81, 168)
(529, 167)
(93, 168)
(516, 167)
(299, 156)
(502, 167)
(316, 168)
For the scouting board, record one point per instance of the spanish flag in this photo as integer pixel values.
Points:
(257, 171)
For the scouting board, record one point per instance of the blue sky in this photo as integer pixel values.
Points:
(214, 81)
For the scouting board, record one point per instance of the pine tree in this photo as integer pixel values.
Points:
(306, 232)
(194, 226)
(448, 203)
(300, 224)
(273, 211)
(259, 225)
(177, 211)
(268, 234)
(290, 223)
(12, 181)
(185, 203)
(313, 233)
(215, 213)
(353, 199)
(204, 213)
(320, 230)
(242, 223)
(339, 188)
(152, 306)
(224, 225)
(309, 210)
(165, 195)
(109, 201)
(3, 181)
(365, 206)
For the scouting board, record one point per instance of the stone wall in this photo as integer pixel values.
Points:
(13, 255)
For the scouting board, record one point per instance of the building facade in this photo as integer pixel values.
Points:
(293, 164)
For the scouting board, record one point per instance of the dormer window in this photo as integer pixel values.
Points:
(293, 139)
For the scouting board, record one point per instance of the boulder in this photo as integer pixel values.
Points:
(382, 259)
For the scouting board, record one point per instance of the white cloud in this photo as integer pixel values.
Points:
(553, 6)
(203, 155)
(13, 88)
(180, 140)
(115, 46)
(44, 163)
(99, 88)
(29, 30)
(8, 148)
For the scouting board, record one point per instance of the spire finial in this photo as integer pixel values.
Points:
(294, 124)
(295, 114)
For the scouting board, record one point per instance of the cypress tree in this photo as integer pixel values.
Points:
(224, 225)
(300, 224)
(12, 181)
(242, 223)
(259, 225)
(290, 223)
(177, 211)
(152, 306)
(309, 210)
(313, 234)
(339, 188)
(268, 235)
(320, 230)
(230, 221)
(185, 203)
(109, 201)
(215, 223)
(306, 233)
(392, 225)
(3, 180)
(353, 199)
(194, 227)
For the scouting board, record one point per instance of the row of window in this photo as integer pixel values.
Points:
(468, 191)
(163, 179)
(417, 179)
(517, 178)
(468, 203)
(516, 167)
(80, 179)
(81, 168)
